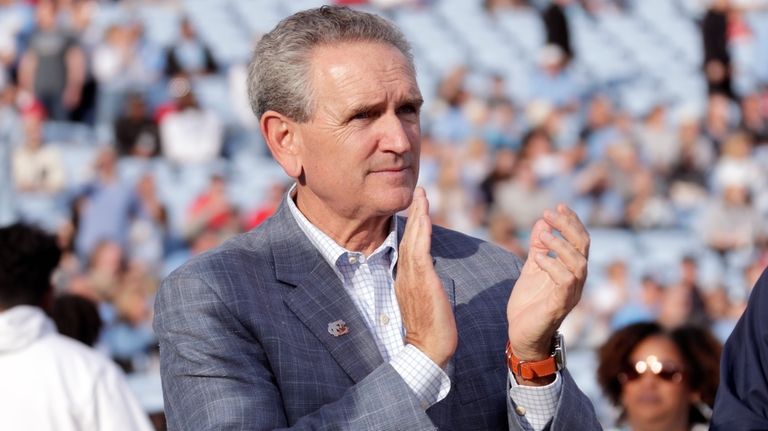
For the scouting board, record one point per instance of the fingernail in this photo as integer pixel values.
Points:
(538, 256)
(546, 236)
(550, 214)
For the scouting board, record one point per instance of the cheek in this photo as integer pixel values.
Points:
(677, 393)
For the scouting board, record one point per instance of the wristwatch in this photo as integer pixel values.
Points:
(543, 368)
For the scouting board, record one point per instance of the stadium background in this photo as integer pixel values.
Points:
(649, 118)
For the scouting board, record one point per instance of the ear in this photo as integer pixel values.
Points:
(283, 140)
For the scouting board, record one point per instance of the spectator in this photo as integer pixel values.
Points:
(718, 121)
(647, 207)
(50, 381)
(149, 229)
(608, 296)
(658, 145)
(523, 187)
(737, 166)
(191, 134)
(111, 63)
(717, 59)
(53, 67)
(37, 168)
(556, 24)
(553, 81)
(128, 336)
(189, 56)
(687, 180)
(690, 286)
(729, 223)
(105, 205)
(136, 132)
(753, 120)
(106, 266)
(661, 380)
(212, 210)
(643, 306)
(502, 171)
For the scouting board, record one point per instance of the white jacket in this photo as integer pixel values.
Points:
(52, 382)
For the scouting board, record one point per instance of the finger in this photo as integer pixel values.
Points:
(413, 215)
(536, 245)
(556, 271)
(417, 237)
(569, 225)
(424, 238)
(567, 254)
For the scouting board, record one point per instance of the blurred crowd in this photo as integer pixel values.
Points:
(125, 129)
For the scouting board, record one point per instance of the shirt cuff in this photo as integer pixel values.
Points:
(535, 406)
(424, 377)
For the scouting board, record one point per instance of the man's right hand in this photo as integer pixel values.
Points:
(427, 314)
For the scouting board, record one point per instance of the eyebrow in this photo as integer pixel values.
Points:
(416, 101)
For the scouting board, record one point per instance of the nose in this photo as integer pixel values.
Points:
(396, 134)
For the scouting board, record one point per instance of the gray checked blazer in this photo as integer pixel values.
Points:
(245, 345)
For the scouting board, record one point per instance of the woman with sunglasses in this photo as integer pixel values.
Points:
(662, 380)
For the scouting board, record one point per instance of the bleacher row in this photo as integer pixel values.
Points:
(650, 54)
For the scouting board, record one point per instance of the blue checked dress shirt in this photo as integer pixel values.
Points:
(369, 281)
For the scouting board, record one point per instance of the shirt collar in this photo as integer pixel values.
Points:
(328, 248)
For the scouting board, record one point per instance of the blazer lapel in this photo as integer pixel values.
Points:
(318, 298)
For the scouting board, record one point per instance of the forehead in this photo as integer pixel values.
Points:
(360, 70)
(658, 345)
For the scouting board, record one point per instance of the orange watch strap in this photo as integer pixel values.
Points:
(530, 369)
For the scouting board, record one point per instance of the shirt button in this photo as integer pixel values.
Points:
(384, 320)
(361, 259)
(352, 259)
(520, 410)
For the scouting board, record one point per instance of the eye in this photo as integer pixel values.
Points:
(408, 109)
(362, 115)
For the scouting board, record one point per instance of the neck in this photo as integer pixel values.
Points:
(354, 233)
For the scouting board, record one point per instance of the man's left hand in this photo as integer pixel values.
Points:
(548, 287)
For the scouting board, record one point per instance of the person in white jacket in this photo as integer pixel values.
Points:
(50, 381)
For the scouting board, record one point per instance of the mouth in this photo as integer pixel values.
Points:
(391, 170)
(648, 398)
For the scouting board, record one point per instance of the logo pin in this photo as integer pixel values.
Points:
(338, 328)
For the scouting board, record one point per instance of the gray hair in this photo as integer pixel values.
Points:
(279, 74)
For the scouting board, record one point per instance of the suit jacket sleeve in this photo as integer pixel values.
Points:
(742, 398)
(216, 375)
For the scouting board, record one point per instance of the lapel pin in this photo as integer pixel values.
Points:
(338, 328)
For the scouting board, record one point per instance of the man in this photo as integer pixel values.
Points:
(54, 67)
(335, 314)
(50, 381)
(742, 397)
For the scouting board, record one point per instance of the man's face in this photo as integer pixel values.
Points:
(360, 150)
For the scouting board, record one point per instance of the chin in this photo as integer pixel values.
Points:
(395, 200)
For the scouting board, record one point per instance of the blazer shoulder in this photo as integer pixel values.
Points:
(243, 252)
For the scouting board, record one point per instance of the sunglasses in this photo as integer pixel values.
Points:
(665, 371)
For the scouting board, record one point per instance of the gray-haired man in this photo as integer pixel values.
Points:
(335, 314)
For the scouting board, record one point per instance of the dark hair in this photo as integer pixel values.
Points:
(699, 349)
(28, 256)
(77, 317)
